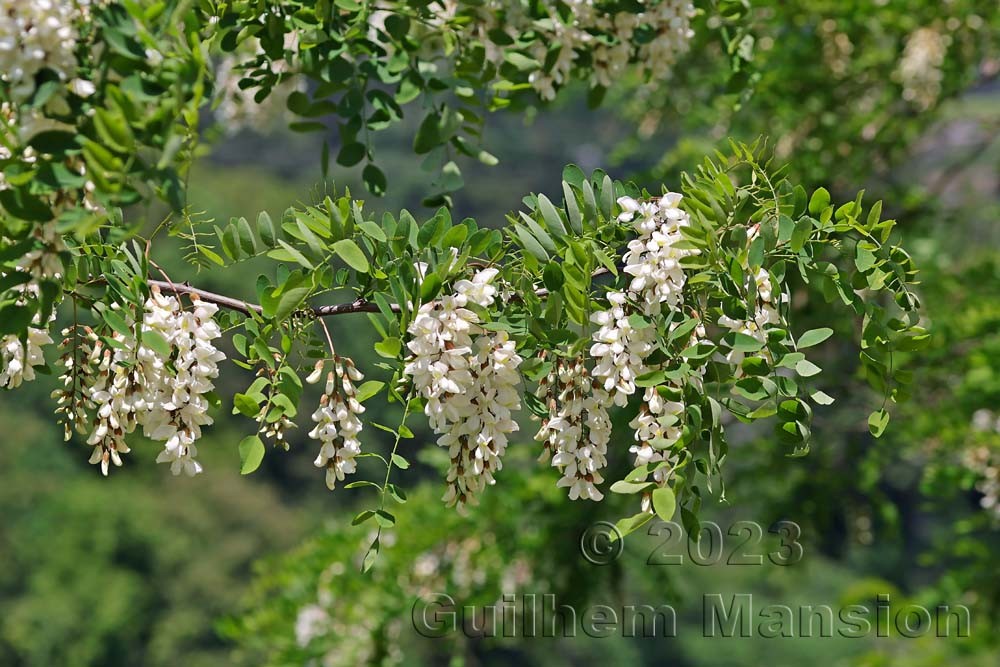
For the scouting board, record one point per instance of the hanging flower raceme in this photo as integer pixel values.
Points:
(177, 406)
(765, 314)
(19, 358)
(619, 349)
(337, 422)
(653, 261)
(468, 380)
(577, 430)
(161, 383)
(36, 35)
(656, 37)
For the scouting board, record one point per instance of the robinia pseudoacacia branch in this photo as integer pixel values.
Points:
(673, 306)
(676, 307)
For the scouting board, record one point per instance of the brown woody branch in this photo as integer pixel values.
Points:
(245, 307)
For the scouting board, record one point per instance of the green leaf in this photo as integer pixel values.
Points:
(248, 244)
(628, 487)
(428, 135)
(806, 368)
(117, 322)
(553, 221)
(14, 318)
(552, 277)
(877, 421)
(400, 462)
(349, 251)
(664, 502)
(245, 405)
(372, 554)
(819, 201)
(265, 227)
(374, 180)
(287, 253)
(522, 62)
(251, 454)
(290, 300)
(530, 244)
(389, 347)
(814, 337)
(451, 177)
(362, 517)
(351, 154)
(155, 341)
(741, 342)
(822, 398)
(630, 524)
(369, 389)
(373, 231)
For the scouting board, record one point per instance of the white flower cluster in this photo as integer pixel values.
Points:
(36, 35)
(131, 384)
(176, 404)
(765, 314)
(620, 349)
(18, 359)
(985, 463)
(43, 260)
(920, 67)
(577, 431)
(658, 426)
(468, 379)
(653, 261)
(337, 422)
(608, 38)
(236, 107)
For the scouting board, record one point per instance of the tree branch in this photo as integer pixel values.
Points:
(356, 306)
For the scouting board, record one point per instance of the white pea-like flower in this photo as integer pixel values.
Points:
(36, 35)
(18, 359)
(337, 422)
(468, 380)
(135, 384)
(177, 407)
(765, 315)
(577, 430)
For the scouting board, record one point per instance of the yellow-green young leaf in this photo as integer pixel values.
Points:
(251, 454)
(352, 255)
(664, 502)
(819, 201)
(400, 462)
(389, 348)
